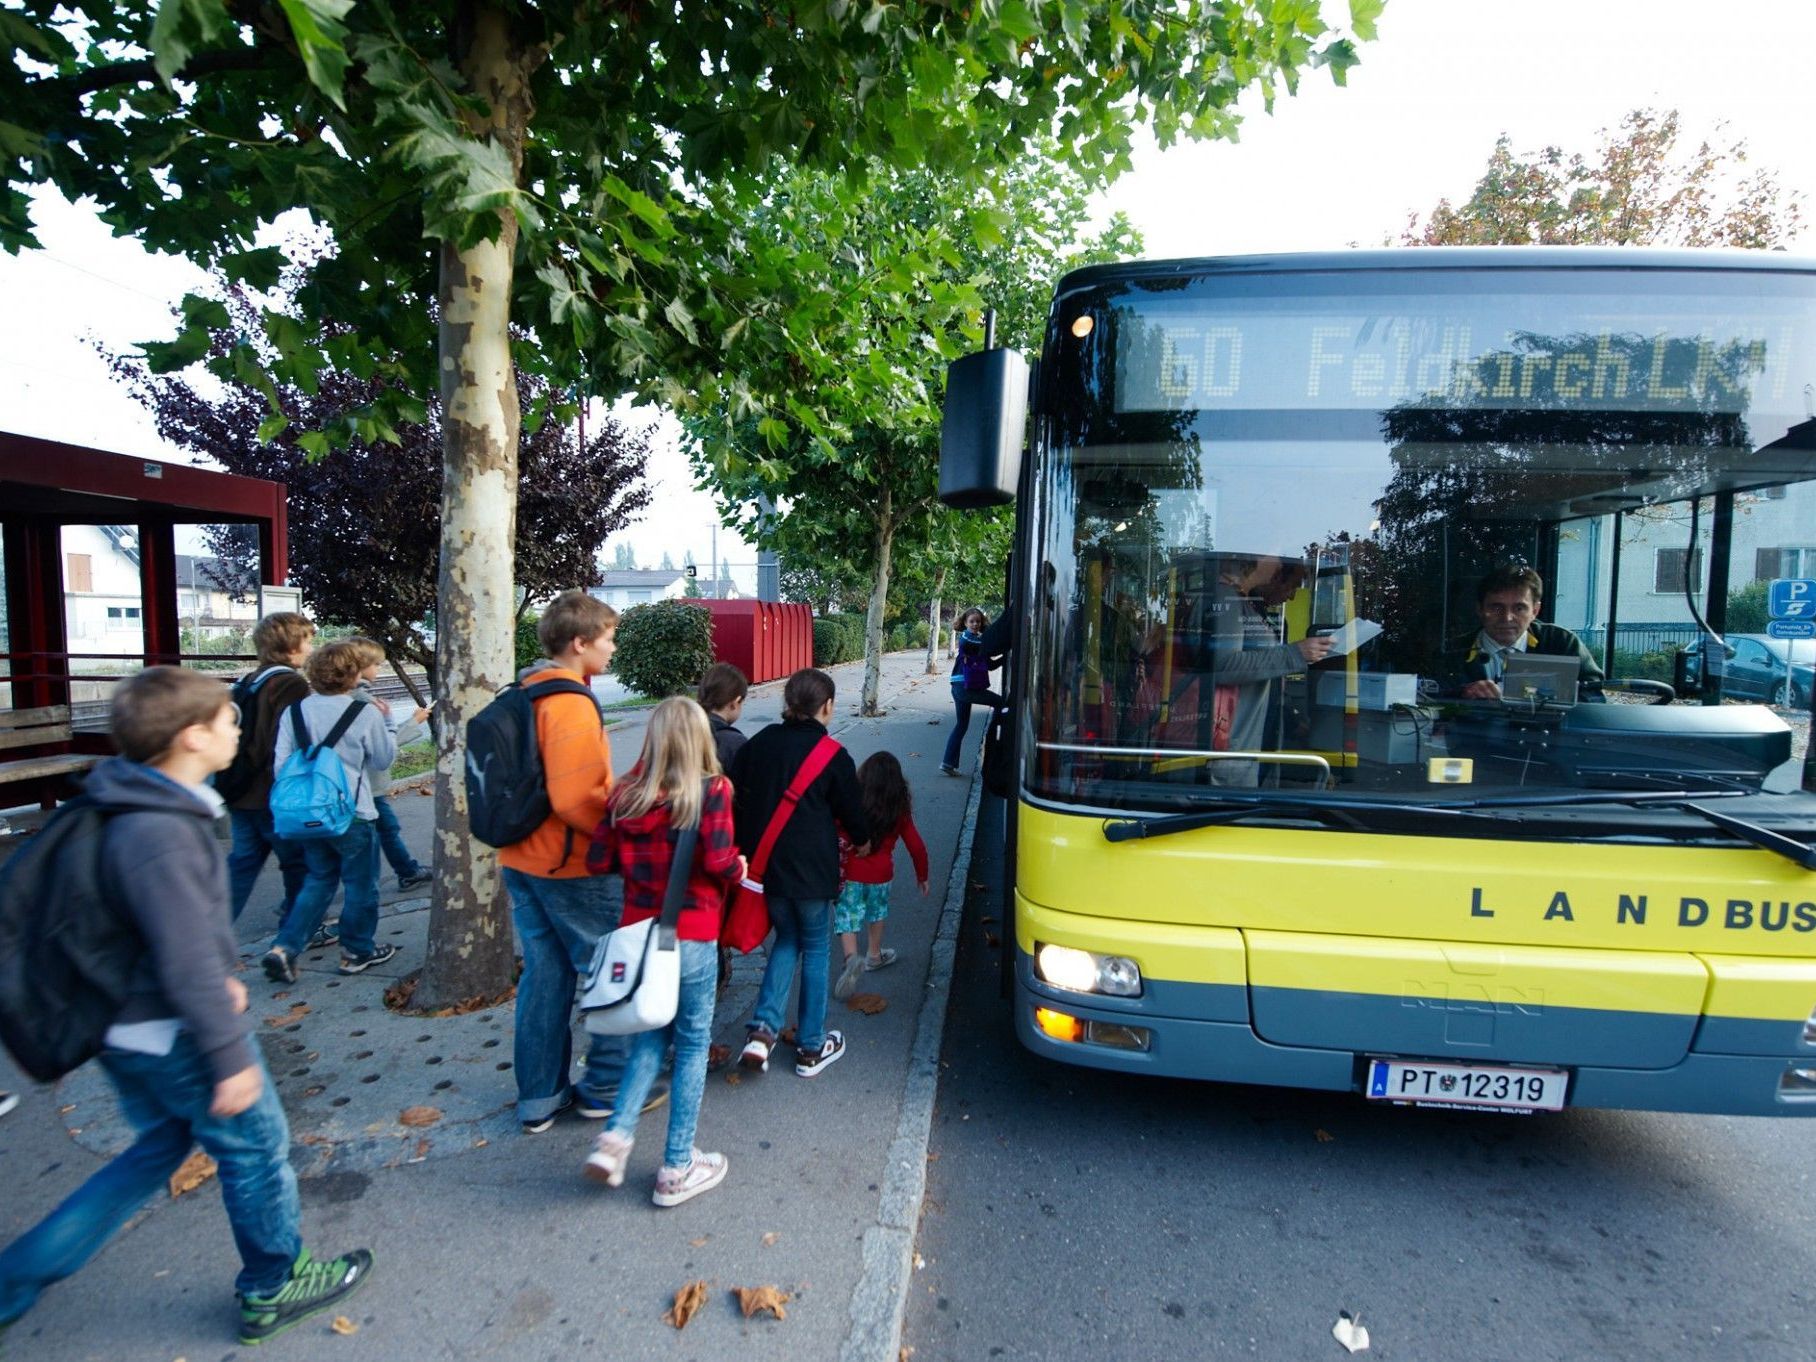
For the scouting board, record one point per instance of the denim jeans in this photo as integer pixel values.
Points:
(559, 922)
(803, 933)
(962, 700)
(351, 862)
(692, 1034)
(253, 841)
(391, 838)
(166, 1098)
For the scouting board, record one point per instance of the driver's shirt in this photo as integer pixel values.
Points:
(1494, 655)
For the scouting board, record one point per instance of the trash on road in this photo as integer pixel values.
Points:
(1349, 1332)
(195, 1170)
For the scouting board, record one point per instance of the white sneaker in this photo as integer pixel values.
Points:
(756, 1051)
(610, 1157)
(831, 1051)
(702, 1174)
(847, 982)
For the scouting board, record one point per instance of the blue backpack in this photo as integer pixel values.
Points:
(310, 800)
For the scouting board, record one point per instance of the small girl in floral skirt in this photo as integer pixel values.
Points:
(864, 897)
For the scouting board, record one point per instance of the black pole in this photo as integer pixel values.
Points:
(1614, 598)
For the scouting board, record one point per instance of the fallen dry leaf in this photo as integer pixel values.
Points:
(195, 1170)
(687, 1300)
(868, 1003)
(718, 1056)
(986, 919)
(481, 1142)
(424, 791)
(754, 1298)
(1325, 1137)
(421, 1152)
(344, 1326)
(280, 995)
(733, 1077)
(64, 1111)
(788, 1035)
(700, 1242)
(296, 1013)
(418, 1116)
(992, 939)
(770, 1239)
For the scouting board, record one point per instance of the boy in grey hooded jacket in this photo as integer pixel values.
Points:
(179, 1053)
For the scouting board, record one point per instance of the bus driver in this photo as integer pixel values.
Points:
(1507, 604)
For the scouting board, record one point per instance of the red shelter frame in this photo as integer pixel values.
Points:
(45, 485)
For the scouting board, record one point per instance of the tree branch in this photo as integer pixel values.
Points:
(143, 71)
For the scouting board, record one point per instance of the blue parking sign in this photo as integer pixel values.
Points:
(1792, 598)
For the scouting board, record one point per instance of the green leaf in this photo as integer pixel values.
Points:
(166, 357)
(314, 444)
(320, 37)
(183, 26)
(641, 204)
(273, 426)
(1362, 17)
(258, 269)
(208, 313)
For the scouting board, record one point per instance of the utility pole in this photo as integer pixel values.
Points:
(714, 561)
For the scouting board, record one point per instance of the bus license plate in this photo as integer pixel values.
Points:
(1466, 1085)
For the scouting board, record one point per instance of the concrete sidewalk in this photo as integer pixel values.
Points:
(489, 1240)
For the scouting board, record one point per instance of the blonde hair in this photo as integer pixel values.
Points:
(371, 651)
(277, 637)
(335, 669)
(677, 758)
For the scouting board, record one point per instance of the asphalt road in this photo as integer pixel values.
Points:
(1072, 1214)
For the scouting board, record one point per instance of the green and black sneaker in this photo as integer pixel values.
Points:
(312, 1288)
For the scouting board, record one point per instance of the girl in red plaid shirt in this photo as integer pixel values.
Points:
(668, 788)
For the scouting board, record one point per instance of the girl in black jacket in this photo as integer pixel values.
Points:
(802, 878)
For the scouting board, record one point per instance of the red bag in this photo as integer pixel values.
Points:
(746, 922)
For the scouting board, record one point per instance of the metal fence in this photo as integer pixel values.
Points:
(1642, 638)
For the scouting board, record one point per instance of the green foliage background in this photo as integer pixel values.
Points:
(663, 647)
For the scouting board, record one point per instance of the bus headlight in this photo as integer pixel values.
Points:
(1077, 971)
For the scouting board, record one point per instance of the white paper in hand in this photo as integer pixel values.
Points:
(1352, 636)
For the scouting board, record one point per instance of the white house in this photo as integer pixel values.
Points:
(622, 588)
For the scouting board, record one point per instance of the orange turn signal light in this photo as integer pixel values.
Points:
(1058, 1025)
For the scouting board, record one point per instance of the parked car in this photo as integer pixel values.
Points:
(1776, 670)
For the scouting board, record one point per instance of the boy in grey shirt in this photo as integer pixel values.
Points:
(366, 750)
(179, 1052)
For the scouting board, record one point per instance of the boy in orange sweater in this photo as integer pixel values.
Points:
(559, 909)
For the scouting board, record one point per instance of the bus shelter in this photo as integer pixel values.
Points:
(106, 566)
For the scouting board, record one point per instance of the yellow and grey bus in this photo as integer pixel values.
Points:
(1368, 721)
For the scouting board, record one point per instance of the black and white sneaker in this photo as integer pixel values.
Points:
(356, 964)
(756, 1049)
(810, 1062)
(326, 935)
(280, 966)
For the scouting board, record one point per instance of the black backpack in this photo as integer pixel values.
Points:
(233, 782)
(507, 796)
(67, 952)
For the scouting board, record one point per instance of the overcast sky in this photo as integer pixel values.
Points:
(1329, 168)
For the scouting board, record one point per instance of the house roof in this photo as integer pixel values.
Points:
(640, 577)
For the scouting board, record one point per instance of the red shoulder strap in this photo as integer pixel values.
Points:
(817, 761)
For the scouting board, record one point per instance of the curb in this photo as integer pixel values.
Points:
(880, 1300)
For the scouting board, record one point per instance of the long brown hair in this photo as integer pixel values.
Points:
(677, 757)
(887, 800)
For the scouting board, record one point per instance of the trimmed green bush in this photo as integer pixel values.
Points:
(837, 638)
(529, 647)
(663, 647)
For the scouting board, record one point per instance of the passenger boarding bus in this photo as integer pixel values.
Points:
(1370, 614)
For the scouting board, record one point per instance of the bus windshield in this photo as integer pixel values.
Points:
(1413, 534)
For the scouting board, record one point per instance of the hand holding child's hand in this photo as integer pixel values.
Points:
(236, 1094)
(237, 991)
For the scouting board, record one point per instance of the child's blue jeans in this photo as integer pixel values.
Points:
(166, 1097)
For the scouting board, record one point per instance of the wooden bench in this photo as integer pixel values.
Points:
(47, 726)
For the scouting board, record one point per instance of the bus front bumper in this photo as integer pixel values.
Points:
(1203, 1032)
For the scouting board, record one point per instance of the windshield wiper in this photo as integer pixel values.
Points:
(1789, 847)
(1261, 806)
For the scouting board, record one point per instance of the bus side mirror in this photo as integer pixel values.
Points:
(981, 431)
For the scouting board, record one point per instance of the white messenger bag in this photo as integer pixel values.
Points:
(634, 982)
